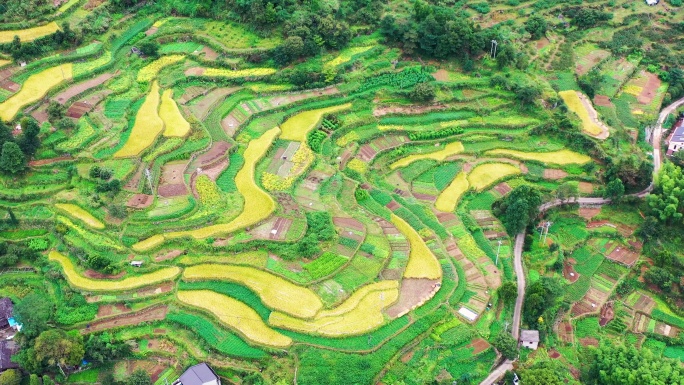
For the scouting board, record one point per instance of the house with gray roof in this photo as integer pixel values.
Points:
(200, 374)
(529, 339)
(6, 312)
(7, 349)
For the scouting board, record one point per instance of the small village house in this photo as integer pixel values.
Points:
(200, 374)
(6, 311)
(675, 141)
(529, 339)
(7, 349)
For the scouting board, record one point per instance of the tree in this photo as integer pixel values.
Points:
(527, 95)
(423, 92)
(506, 345)
(667, 198)
(567, 190)
(518, 209)
(56, 111)
(57, 347)
(139, 377)
(614, 190)
(508, 292)
(28, 140)
(10, 377)
(660, 277)
(621, 365)
(150, 48)
(536, 26)
(48, 381)
(12, 160)
(543, 373)
(34, 379)
(5, 134)
(101, 348)
(34, 312)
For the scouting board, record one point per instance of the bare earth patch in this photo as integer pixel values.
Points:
(412, 293)
(593, 115)
(649, 91)
(441, 75)
(623, 255)
(140, 201)
(209, 53)
(79, 88)
(112, 309)
(168, 255)
(407, 110)
(586, 187)
(569, 272)
(478, 345)
(589, 341)
(147, 315)
(552, 173)
(589, 212)
(602, 100)
(172, 182)
(195, 71)
(95, 275)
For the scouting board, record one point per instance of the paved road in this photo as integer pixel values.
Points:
(500, 370)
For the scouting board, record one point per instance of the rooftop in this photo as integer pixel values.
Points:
(677, 132)
(7, 348)
(199, 374)
(529, 335)
(6, 308)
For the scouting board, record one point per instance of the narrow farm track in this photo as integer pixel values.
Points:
(506, 365)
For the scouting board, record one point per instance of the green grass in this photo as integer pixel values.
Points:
(226, 181)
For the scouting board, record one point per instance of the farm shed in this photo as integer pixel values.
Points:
(7, 348)
(200, 374)
(529, 339)
(6, 310)
(652, 2)
(675, 141)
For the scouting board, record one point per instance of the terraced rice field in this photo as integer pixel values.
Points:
(80, 214)
(175, 124)
(35, 87)
(484, 175)
(422, 263)
(276, 293)
(297, 127)
(450, 149)
(29, 34)
(81, 282)
(572, 100)
(561, 157)
(148, 125)
(235, 315)
(448, 199)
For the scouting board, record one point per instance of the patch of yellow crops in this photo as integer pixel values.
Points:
(447, 200)
(483, 175)
(575, 105)
(80, 214)
(29, 34)
(235, 315)
(298, 126)
(358, 165)
(450, 149)
(422, 262)
(100, 240)
(174, 123)
(355, 299)
(258, 204)
(150, 71)
(633, 89)
(555, 157)
(148, 125)
(275, 292)
(82, 282)
(159, 23)
(363, 315)
(230, 74)
(35, 87)
(346, 56)
(4, 62)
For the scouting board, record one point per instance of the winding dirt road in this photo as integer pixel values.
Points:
(506, 365)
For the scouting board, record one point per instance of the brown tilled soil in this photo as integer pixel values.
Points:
(112, 309)
(168, 255)
(195, 71)
(164, 288)
(594, 58)
(146, 315)
(565, 332)
(623, 255)
(602, 100)
(10, 85)
(91, 4)
(478, 345)
(79, 88)
(407, 110)
(589, 341)
(349, 223)
(543, 42)
(412, 293)
(407, 357)
(569, 272)
(95, 275)
(217, 151)
(503, 188)
(644, 304)
(441, 75)
(589, 212)
(40, 114)
(552, 173)
(202, 106)
(132, 184)
(151, 31)
(43, 162)
(649, 91)
(553, 353)
(172, 182)
(140, 201)
(586, 187)
(209, 54)
(607, 314)
(78, 109)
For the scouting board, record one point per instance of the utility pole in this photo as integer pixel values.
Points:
(548, 224)
(497, 254)
(492, 50)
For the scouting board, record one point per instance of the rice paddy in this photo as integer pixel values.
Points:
(81, 282)
(448, 199)
(148, 125)
(29, 34)
(236, 315)
(174, 123)
(450, 149)
(561, 157)
(298, 126)
(572, 100)
(422, 263)
(34, 89)
(80, 214)
(275, 292)
(485, 174)
(150, 71)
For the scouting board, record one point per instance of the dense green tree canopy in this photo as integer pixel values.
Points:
(518, 209)
(12, 160)
(620, 365)
(34, 312)
(57, 347)
(667, 197)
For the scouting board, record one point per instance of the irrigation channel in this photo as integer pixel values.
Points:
(506, 365)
